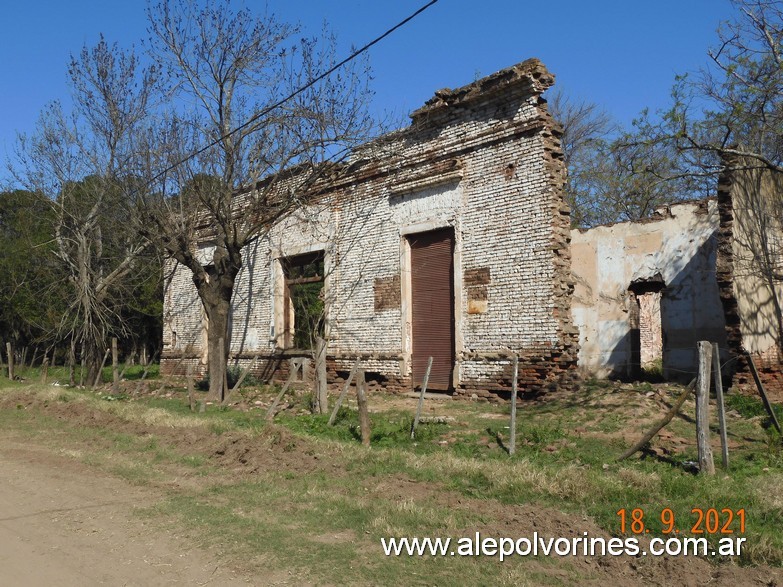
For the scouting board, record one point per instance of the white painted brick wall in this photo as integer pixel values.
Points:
(501, 211)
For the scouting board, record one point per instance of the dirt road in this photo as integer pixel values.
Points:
(62, 523)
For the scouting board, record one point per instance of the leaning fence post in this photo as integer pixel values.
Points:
(762, 393)
(343, 393)
(167, 378)
(512, 438)
(706, 464)
(240, 380)
(661, 423)
(99, 376)
(140, 384)
(270, 414)
(421, 398)
(724, 442)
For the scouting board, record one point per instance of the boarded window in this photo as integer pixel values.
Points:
(387, 293)
(303, 301)
(476, 281)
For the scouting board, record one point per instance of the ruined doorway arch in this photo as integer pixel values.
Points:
(646, 327)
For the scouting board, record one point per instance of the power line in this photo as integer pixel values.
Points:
(293, 94)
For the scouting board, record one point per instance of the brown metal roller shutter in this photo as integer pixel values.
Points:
(432, 290)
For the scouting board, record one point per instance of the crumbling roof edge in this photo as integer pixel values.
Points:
(661, 214)
(529, 76)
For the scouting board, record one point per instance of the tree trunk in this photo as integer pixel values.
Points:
(93, 357)
(215, 286)
(218, 344)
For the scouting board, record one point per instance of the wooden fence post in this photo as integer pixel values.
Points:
(361, 400)
(321, 396)
(140, 384)
(45, 368)
(343, 393)
(512, 438)
(115, 359)
(270, 414)
(167, 378)
(99, 376)
(10, 352)
(724, 442)
(706, 464)
(421, 398)
(647, 437)
(240, 380)
(191, 395)
(763, 393)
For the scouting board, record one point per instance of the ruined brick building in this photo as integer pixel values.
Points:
(646, 292)
(452, 243)
(450, 239)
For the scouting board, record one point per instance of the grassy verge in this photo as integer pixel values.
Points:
(306, 496)
(61, 374)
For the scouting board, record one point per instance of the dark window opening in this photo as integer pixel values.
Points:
(303, 302)
(373, 377)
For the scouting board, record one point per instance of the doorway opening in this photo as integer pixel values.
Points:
(432, 307)
(647, 336)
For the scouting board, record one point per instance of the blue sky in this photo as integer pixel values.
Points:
(622, 55)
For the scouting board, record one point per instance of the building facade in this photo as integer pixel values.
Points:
(448, 239)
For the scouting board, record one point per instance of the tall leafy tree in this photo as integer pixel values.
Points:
(86, 163)
(31, 291)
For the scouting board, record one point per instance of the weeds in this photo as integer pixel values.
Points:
(565, 462)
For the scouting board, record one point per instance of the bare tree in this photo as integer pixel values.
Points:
(85, 162)
(727, 122)
(615, 175)
(586, 131)
(735, 107)
(262, 148)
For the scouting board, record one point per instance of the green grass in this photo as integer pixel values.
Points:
(61, 374)
(330, 518)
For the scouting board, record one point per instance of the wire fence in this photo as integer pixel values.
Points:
(621, 363)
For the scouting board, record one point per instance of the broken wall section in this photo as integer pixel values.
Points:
(750, 267)
(630, 275)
